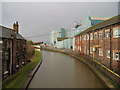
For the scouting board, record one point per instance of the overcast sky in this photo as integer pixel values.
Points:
(39, 18)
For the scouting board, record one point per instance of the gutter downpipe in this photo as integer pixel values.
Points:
(111, 48)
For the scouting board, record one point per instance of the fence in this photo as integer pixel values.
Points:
(108, 73)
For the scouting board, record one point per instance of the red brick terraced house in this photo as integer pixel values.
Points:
(102, 43)
(13, 49)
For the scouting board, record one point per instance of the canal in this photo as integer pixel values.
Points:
(61, 71)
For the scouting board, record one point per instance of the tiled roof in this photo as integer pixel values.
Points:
(111, 21)
(7, 32)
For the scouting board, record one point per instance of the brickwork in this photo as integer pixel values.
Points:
(102, 45)
(13, 51)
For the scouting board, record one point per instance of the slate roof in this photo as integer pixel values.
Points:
(94, 22)
(7, 32)
(111, 21)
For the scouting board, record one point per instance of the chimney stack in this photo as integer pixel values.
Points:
(16, 26)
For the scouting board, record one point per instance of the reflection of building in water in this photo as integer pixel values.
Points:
(13, 49)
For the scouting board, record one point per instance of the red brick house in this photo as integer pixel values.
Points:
(101, 42)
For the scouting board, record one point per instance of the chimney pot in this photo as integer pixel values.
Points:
(16, 22)
(16, 27)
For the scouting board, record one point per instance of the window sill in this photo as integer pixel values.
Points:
(100, 55)
(116, 36)
(6, 72)
(116, 60)
(108, 57)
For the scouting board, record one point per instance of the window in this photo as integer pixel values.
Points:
(116, 32)
(77, 38)
(108, 54)
(85, 49)
(80, 48)
(80, 38)
(95, 36)
(75, 47)
(87, 52)
(107, 33)
(91, 49)
(91, 36)
(116, 55)
(101, 35)
(100, 52)
(87, 37)
(84, 37)
(1, 42)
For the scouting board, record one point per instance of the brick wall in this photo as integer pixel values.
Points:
(101, 46)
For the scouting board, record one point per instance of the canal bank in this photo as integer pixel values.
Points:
(22, 78)
(32, 74)
(102, 78)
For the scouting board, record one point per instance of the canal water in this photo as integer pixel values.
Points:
(61, 71)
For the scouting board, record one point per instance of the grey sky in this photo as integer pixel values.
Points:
(38, 18)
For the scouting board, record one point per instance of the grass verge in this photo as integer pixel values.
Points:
(18, 79)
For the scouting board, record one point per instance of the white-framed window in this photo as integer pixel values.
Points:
(77, 47)
(95, 35)
(107, 34)
(1, 51)
(116, 32)
(85, 49)
(87, 36)
(80, 38)
(108, 53)
(1, 42)
(100, 52)
(87, 52)
(77, 38)
(84, 37)
(91, 36)
(80, 48)
(116, 55)
(91, 50)
(101, 35)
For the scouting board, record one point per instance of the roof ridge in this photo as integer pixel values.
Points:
(97, 25)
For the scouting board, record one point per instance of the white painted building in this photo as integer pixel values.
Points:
(55, 34)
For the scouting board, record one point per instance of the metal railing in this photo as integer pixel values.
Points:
(108, 73)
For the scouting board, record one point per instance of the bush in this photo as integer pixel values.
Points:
(30, 50)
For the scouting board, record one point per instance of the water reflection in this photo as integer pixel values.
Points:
(61, 71)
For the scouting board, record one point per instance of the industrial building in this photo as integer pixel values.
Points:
(57, 35)
(101, 42)
(62, 38)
